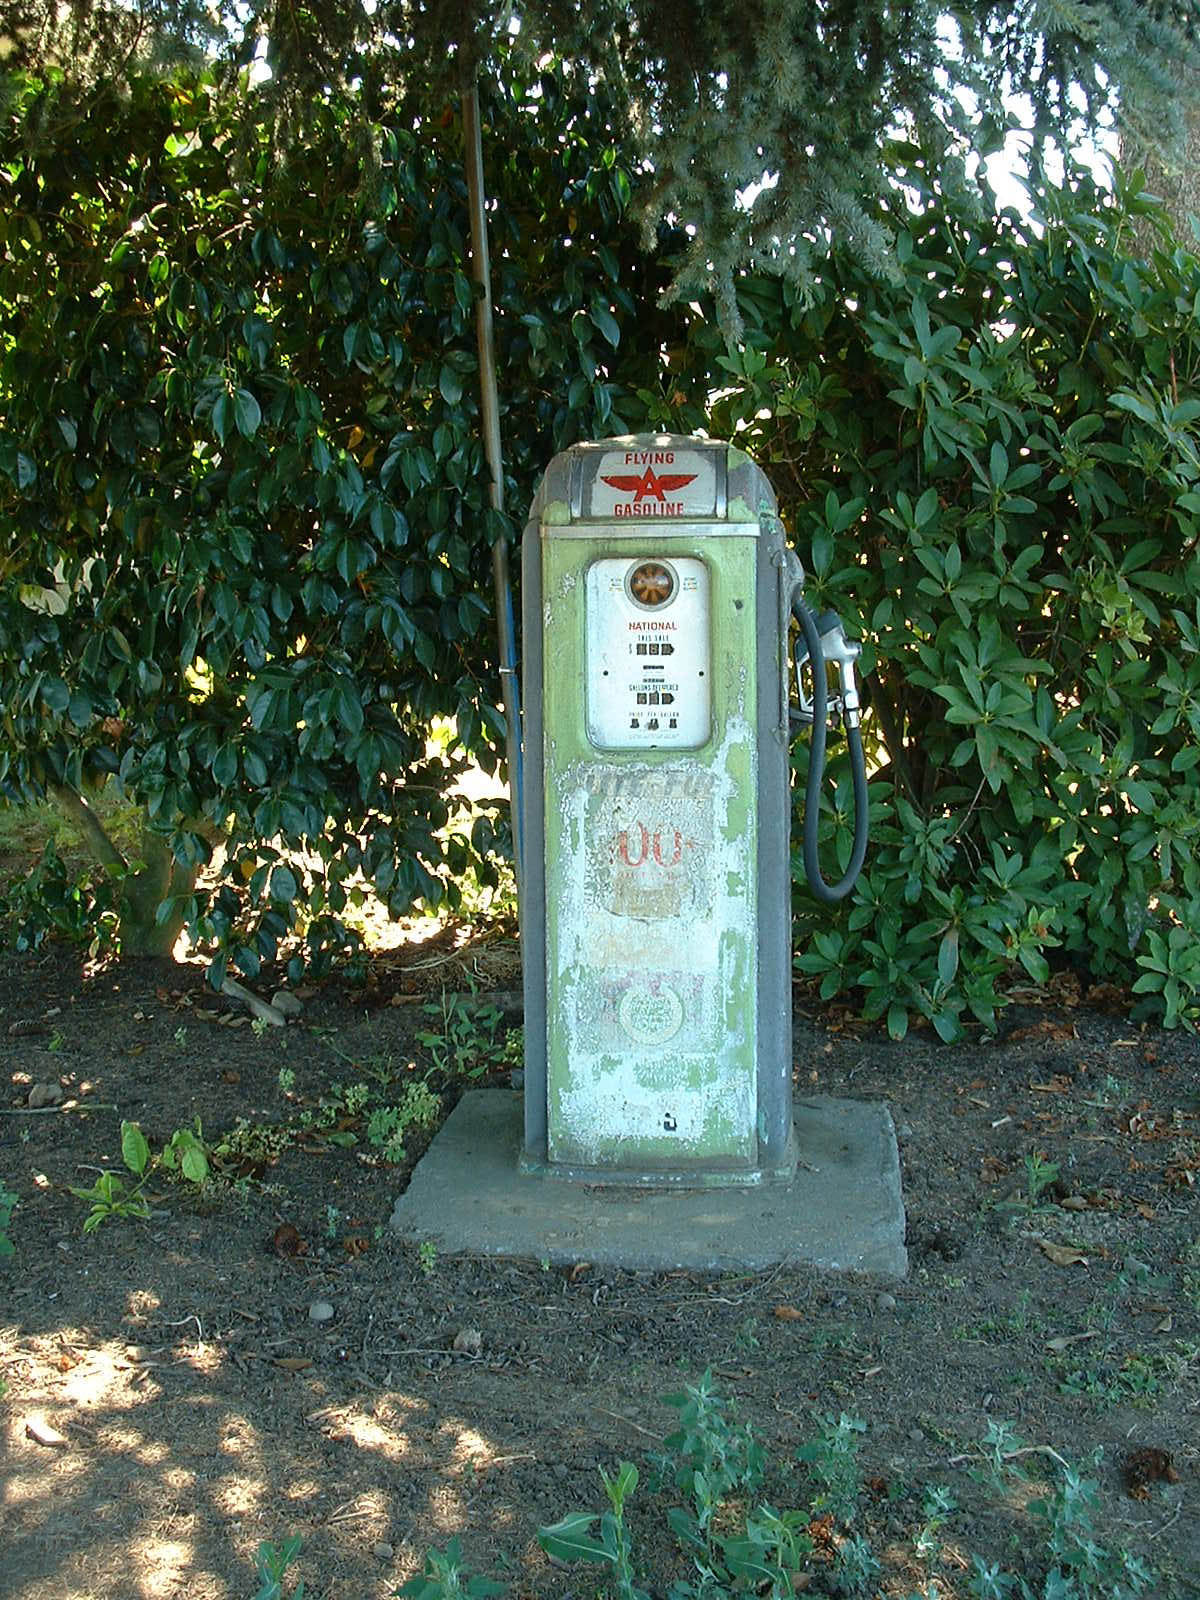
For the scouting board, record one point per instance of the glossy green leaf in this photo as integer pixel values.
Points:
(247, 413)
(135, 1152)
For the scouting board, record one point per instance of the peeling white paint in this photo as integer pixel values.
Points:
(654, 895)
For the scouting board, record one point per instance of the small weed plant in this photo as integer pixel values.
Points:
(461, 1040)
(832, 1462)
(184, 1156)
(387, 1125)
(1073, 1564)
(572, 1539)
(445, 1578)
(709, 1454)
(8, 1202)
(347, 1116)
(1040, 1175)
(271, 1563)
(738, 1544)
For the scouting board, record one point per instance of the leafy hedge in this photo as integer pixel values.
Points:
(244, 503)
(995, 465)
(246, 531)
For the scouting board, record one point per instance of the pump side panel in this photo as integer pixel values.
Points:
(651, 892)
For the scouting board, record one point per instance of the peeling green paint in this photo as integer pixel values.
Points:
(618, 1092)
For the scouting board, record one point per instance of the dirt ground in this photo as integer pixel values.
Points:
(170, 1400)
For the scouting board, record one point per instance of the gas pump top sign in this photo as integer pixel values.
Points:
(652, 483)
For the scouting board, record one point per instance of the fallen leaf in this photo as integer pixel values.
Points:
(1062, 1255)
(1074, 1202)
(356, 1244)
(40, 1431)
(293, 1363)
(1059, 1084)
(1146, 1466)
(25, 1027)
(789, 1314)
(1143, 1210)
(1066, 1340)
(286, 1240)
(821, 1531)
(992, 1169)
(1047, 1029)
(1106, 997)
(1165, 1325)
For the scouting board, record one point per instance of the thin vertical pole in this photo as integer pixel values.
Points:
(510, 693)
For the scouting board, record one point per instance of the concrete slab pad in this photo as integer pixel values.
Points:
(842, 1212)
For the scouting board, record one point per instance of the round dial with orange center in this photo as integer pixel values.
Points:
(651, 584)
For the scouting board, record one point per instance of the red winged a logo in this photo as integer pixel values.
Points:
(648, 485)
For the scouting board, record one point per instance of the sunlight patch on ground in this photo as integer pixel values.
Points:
(140, 1303)
(205, 1358)
(302, 1489)
(29, 1488)
(447, 1509)
(369, 1434)
(237, 1494)
(161, 1564)
(238, 1438)
(88, 1383)
(473, 1447)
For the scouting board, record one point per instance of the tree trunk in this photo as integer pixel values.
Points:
(159, 877)
(156, 877)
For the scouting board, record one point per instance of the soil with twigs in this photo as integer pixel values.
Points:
(259, 1357)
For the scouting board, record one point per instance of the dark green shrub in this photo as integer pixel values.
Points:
(995, 465)
(246, 530)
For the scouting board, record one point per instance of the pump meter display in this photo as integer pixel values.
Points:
(648, 655)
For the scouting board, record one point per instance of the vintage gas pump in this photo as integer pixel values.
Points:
(658, 595)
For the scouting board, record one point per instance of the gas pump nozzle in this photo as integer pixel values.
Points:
(843, 653)
(825, 637)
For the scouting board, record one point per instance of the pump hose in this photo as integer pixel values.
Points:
(829, 893)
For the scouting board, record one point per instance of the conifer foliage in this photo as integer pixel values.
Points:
(706, 95)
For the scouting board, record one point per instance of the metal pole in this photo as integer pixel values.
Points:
(510, 693)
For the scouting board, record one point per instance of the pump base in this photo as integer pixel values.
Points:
(842, 1212)
(532, 1166)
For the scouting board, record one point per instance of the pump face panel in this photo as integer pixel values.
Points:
(651, 847)
(648, 680)
(657, 1011)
